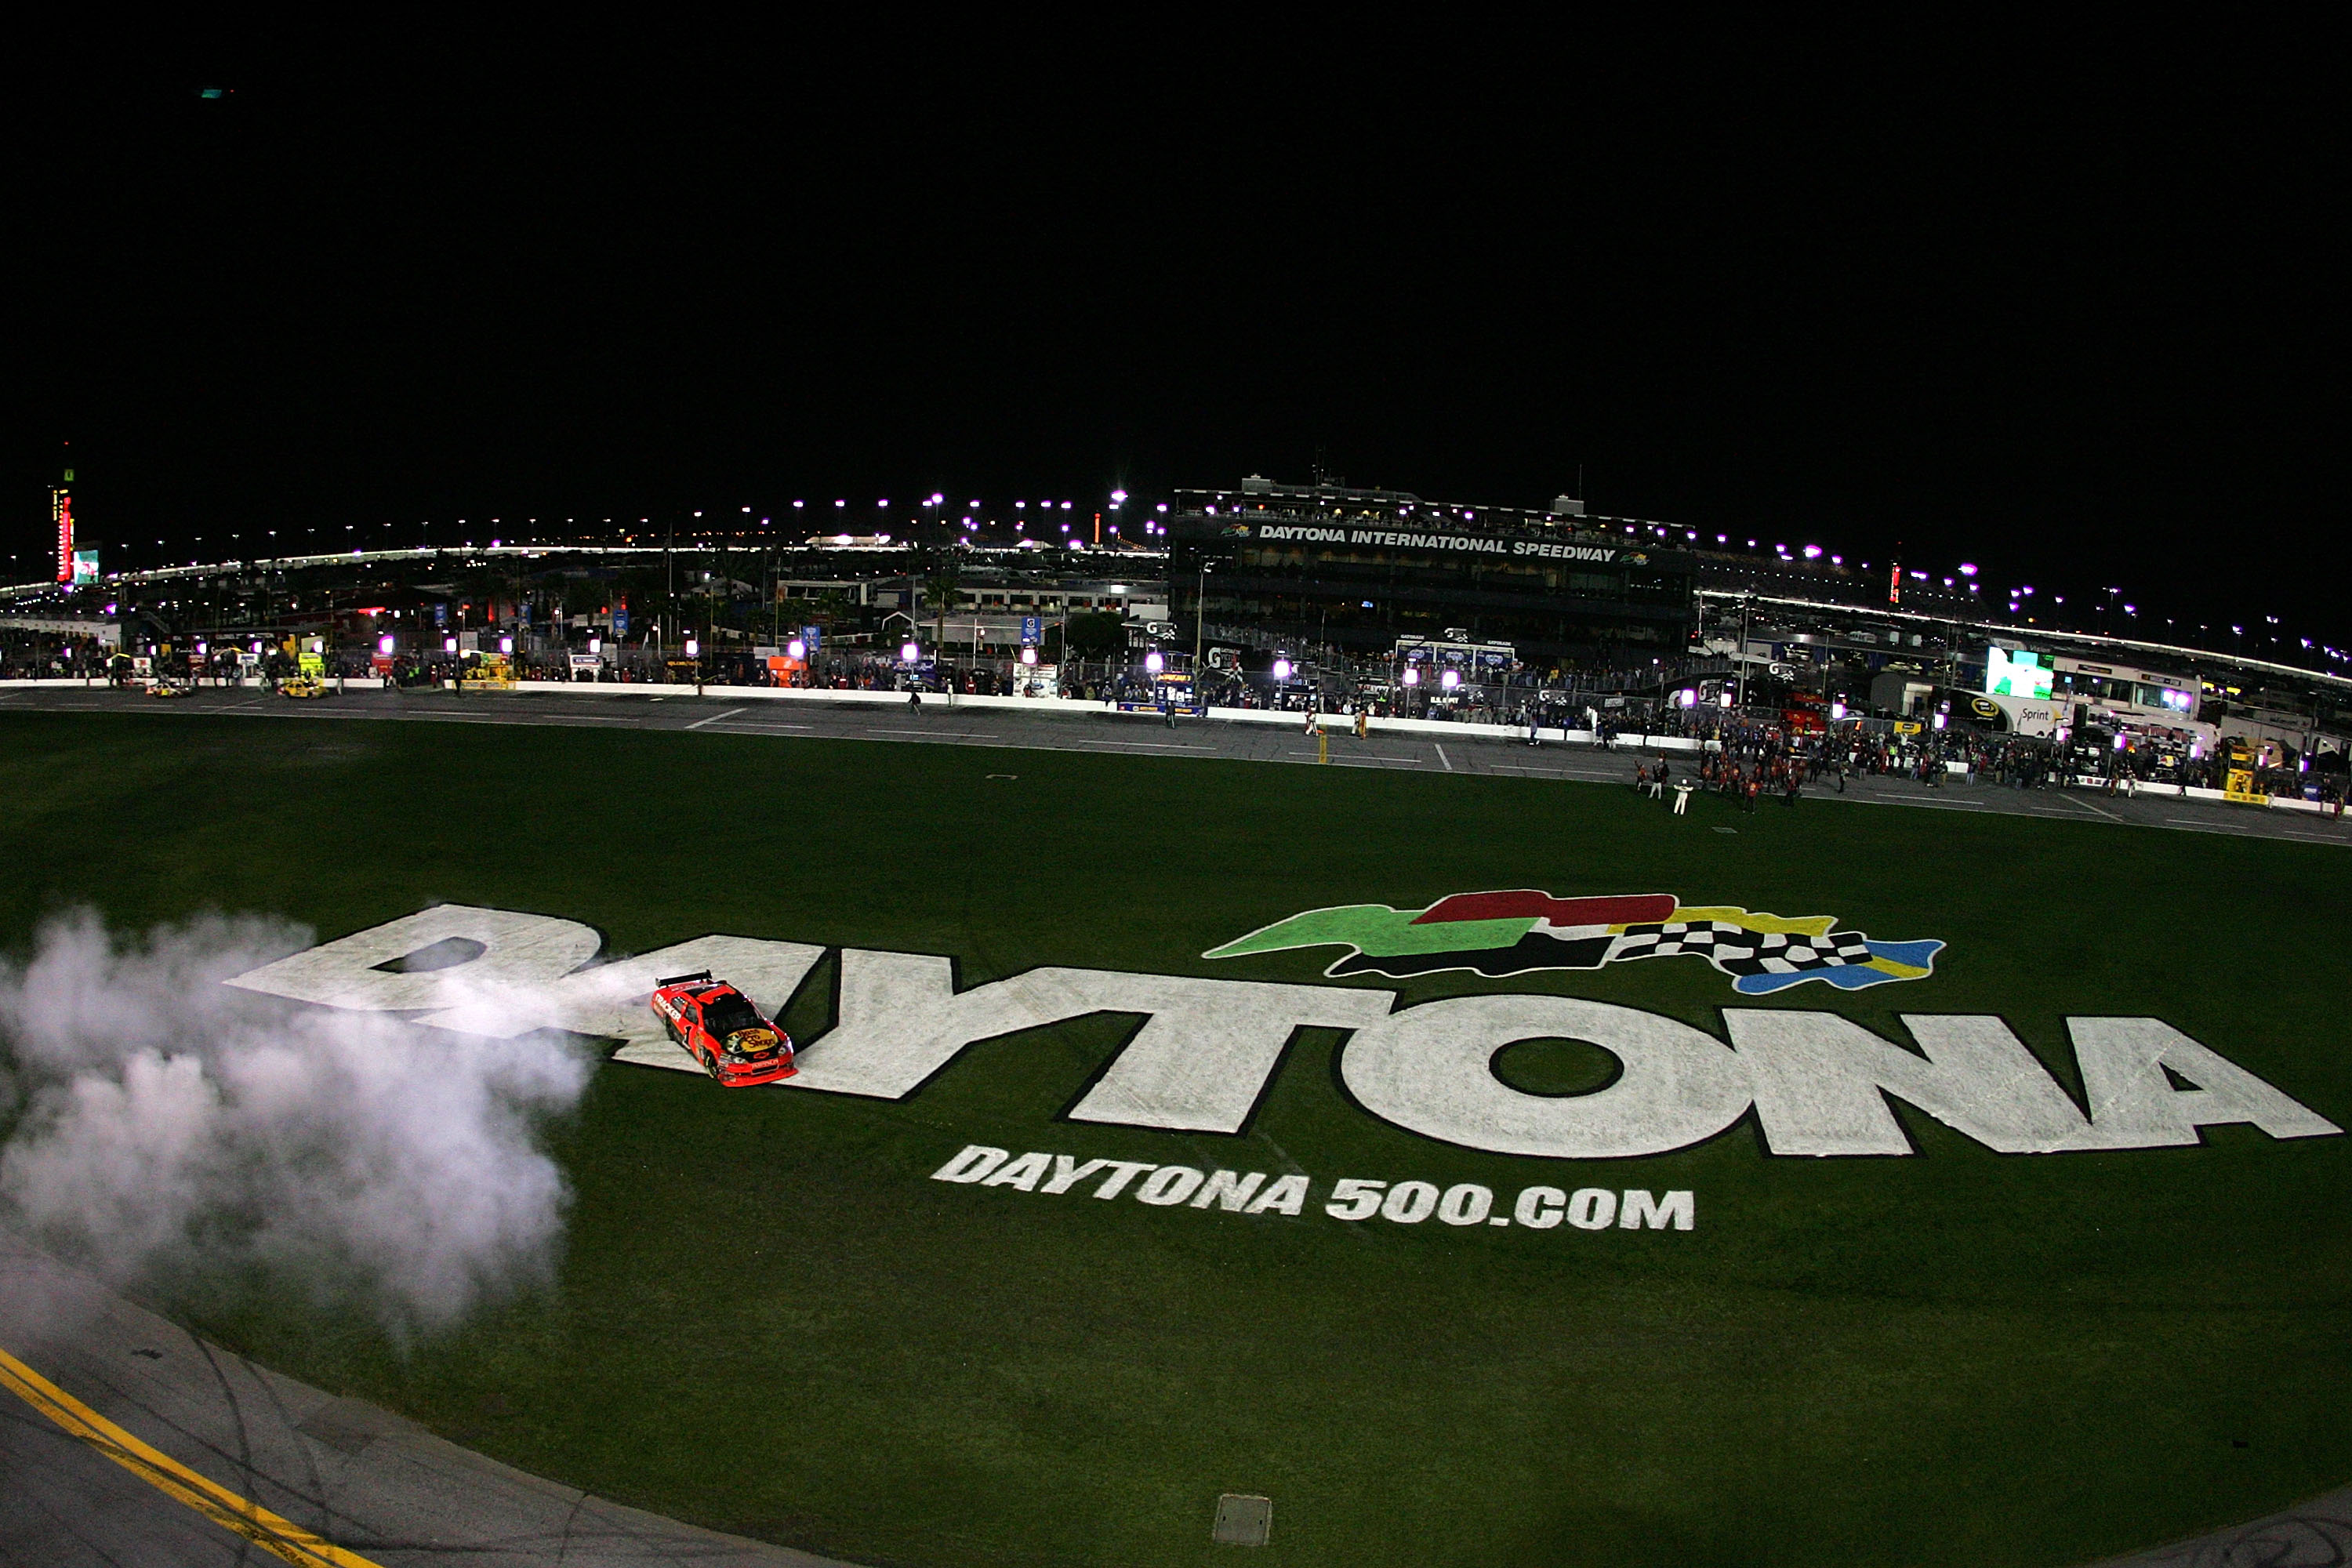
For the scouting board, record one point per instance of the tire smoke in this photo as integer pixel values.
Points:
(164, 1121)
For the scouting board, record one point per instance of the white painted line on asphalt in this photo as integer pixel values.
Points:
(714, 718)
(760, 726)
(1441, 757)
(935, 734)
(2086, 806)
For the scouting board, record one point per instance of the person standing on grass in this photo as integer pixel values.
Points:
(1681, 796)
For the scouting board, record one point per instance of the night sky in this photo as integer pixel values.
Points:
(2066, 305)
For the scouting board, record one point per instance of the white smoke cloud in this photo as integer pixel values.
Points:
(166, 1121)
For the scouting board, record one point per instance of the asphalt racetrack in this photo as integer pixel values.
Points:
(941, 723)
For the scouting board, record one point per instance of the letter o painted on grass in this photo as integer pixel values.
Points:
(1430, 1069)
(1539, 1208)
(1467, 1203)
(1593, 1208)
(1169, 1184)
(1409, 1203)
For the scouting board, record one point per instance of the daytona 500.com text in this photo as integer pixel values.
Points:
(1349, 1198)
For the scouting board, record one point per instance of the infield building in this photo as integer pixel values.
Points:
(1358, 569)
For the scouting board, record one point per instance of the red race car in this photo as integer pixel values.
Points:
(720, 1028)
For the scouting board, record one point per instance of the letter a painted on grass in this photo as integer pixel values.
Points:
(2134, 1104)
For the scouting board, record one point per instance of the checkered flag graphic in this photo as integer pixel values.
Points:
(1736, 950)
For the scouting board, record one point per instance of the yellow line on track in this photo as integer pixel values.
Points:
(281, 1538)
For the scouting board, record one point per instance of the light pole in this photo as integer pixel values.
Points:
(1739, 666)
(1200, 623)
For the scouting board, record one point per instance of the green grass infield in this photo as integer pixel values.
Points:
(769, 1319)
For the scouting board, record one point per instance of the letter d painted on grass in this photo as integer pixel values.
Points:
(974, 1164)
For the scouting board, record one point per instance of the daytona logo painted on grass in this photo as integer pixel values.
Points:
(1206, 1052)
(1514, 931)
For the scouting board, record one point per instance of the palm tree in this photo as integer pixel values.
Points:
(940, 593)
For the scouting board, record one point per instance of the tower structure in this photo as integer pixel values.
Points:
(61, 513)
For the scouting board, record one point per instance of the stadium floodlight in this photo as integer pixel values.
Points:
(693, 648)
(448, 645)
(1153, 662)
(1411, 676)
(796, 649)
(1450, 680)
(506, 645)
(1968, 568)
(908, 652)
(1837, 711)
(1117, 497)
(1687, 698)
(595, 645)
(1813, 552)
(1028, 655)
(1282, 669)
(383, 645)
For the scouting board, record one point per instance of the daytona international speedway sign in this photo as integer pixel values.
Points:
(1206, 1050)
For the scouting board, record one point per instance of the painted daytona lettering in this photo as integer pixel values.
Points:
(1352, 1198)
(1207, 1050)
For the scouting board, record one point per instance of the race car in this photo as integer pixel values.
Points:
(721, 1029)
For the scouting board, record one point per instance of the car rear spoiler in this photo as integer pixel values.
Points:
(681, 979)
